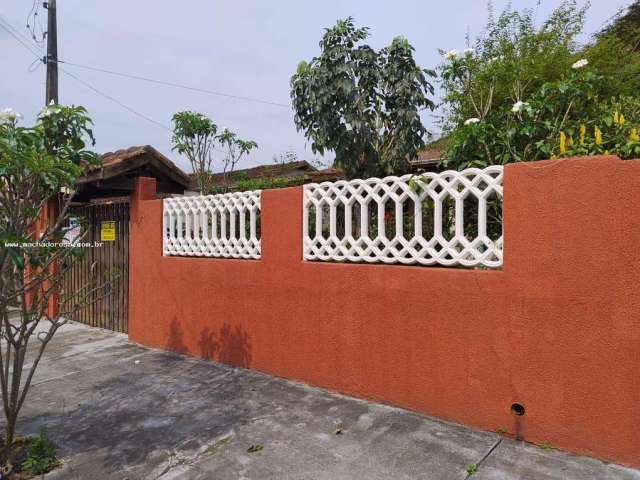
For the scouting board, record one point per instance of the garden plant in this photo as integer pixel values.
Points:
(39, 168)
(523, 92)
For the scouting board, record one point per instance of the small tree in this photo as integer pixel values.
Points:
(38, 165)
(235, 148)
(285, 157)
(362, 104)
(196, 136)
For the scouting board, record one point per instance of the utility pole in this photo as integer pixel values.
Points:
(52, 52)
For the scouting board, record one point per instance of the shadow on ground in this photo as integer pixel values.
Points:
(120, 411)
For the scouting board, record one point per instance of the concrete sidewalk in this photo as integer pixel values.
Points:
(120, 411)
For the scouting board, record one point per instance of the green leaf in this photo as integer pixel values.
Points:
(16, 257)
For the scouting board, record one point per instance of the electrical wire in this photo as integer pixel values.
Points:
(175, 85)
(9, 29)
(26, 44)
(160, 82)
(33, 22)
(115, 100)
(142, 78)
(80, 80)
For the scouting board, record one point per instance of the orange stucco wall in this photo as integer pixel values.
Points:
(557, 330)
(46, 217)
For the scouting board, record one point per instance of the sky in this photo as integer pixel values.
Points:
(246, 48)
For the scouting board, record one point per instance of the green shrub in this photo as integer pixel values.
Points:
(528, 93)
(614, 129)
(620, 63)
(41, 455)
(267, 182)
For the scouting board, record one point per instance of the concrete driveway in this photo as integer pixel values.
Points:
(121, 411)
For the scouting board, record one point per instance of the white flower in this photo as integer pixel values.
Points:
(45, 112)
(451, 54)
(493, 59)
(580, 63)
(518, 106)
(9, 115)
(468, 51)
(471, 121)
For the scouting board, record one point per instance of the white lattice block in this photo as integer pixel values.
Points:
(448, 218)
(226, 225)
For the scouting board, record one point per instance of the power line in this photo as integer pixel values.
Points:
(16, 35)
(81, 81)
(158, 81)
(9, 29)
(175, 85)
(115, 100)
(25, 42)
(34, 23)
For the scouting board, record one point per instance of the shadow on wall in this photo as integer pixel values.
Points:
(230, 345)
(176, 336)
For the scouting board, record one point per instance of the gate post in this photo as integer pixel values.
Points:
(144, 189)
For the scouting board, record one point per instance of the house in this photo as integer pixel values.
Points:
(101, 204)
(429, 160)
(302, 172)
(282, 174)
(116, 175)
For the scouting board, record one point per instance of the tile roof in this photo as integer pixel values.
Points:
(117, 163)
(428, 156)
(274, 170)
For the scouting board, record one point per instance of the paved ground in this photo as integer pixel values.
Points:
(120, 411)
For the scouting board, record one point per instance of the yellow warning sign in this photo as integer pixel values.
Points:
(107, 231)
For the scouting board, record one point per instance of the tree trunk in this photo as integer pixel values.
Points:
(13, 380)
(9, 431)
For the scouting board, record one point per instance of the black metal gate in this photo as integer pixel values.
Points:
(105, 262)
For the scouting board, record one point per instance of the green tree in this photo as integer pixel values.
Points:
(38, 165)
(626, 27)
(361, 104)
(196, 137)
(615, 52)
(234, 149)
(525, 92)
(513, 58)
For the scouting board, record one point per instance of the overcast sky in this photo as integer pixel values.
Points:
(245, 48)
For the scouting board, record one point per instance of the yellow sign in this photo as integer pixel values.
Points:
(107, 231)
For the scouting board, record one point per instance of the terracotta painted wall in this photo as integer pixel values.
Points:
(557, 330)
